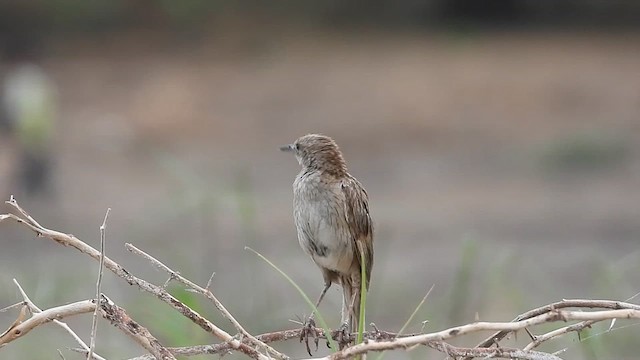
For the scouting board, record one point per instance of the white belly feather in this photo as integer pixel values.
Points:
(323, 232)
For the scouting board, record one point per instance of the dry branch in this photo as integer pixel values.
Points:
(571, 303)
(35, 309)
(160, 293)
(16, 305)
(270, 337)
(254, 346)
(539, 339)
(209, 295)
(119, 318)
(116, 315)
(424, 339)
(486, 353)
(24, 327)
(94, 323)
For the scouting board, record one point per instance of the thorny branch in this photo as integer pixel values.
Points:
(209, 295)
(23, 326)
(256, 346)
(486, 353)
(107, 309)
(119, 318)
(271, 337)
(159, 292)
(424, 339)
(571, 303)
(34, 310)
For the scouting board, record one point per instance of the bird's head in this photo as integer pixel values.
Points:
(318, 152)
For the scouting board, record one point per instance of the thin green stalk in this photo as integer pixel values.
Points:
(415, 311)
(363, 298)
(323, 324)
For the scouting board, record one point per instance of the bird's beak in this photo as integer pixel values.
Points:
(287, 148)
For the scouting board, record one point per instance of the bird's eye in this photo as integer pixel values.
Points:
(296, 146)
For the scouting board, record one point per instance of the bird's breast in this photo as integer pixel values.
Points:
(321, 225)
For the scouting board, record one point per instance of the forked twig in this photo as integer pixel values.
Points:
(557, 315)
(24, 327)
(253, 346)
(35, 310)
(94, 323)
(209, 295)
(119, 318)
(575, 303)
(117, 269)
(493, 353)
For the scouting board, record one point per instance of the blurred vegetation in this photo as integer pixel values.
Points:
(584, 151)
(46, 16)
(461, 292)
(442, 309)
(485, 278)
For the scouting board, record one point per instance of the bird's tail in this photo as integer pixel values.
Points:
(352, 286)
(351, 301)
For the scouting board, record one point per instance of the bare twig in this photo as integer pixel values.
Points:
(270, 337)
(12, 201)
(538, 340)
(389, 341)
(160, 293)
(210, 280)
(119, 318)
(19, 320)
(578, 303)
(633, 297)
(209, 295)
(94, 323)
(80, 307)
(497, 353)
(252, 346)
(556, 315)
(21, 303)
(35, 310)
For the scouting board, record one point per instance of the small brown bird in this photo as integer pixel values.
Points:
(331, 213)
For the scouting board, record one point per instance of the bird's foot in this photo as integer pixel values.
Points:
(342, 335)
(309, 330)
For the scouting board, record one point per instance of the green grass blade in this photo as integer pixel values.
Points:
(363, 298)
(323, 324)
(415, 311)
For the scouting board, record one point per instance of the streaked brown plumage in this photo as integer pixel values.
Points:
(331, 214)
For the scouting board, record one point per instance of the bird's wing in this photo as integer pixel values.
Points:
(359, 221)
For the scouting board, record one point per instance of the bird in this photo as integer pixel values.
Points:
(333, 223)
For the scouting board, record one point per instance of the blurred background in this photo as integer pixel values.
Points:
(499, 142)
